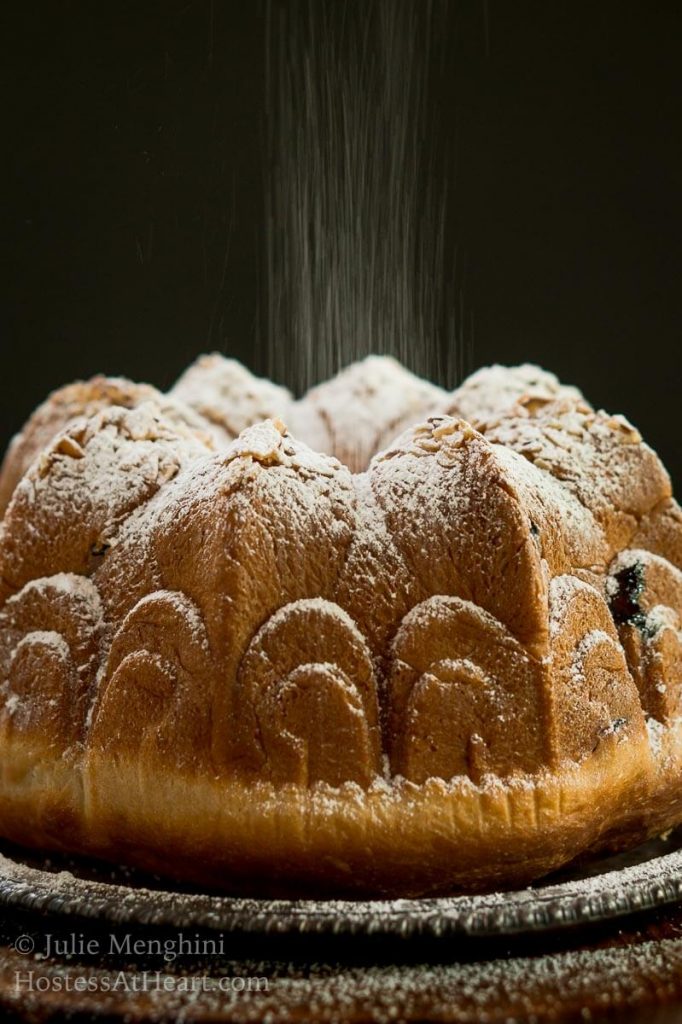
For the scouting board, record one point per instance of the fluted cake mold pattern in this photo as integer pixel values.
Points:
(321, 658)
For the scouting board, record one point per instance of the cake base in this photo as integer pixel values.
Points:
(393, 839)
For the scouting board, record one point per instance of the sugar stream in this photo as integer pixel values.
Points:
(356, 206)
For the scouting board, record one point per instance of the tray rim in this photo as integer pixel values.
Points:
(615, 893)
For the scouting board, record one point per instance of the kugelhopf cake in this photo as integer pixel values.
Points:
(326, 659)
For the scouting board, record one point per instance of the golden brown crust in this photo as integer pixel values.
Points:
(65, 512)
(362, 409)
(228, 397)
(645, 591)
(464, 696)
(403, 839)
(495, 391)
(660, 531)
(246, 662)
(81, 400)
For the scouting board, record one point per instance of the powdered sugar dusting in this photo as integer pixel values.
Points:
(228, 396)
(495, 391)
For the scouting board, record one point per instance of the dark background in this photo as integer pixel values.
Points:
(133, 204)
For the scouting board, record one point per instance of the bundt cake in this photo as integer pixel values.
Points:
(413, 642)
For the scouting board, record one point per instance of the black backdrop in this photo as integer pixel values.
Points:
(134, 198)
